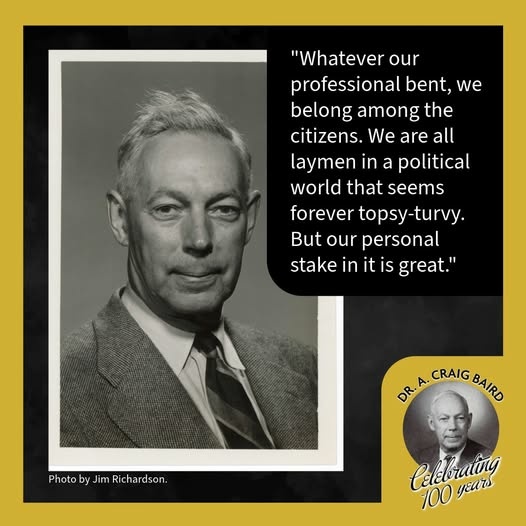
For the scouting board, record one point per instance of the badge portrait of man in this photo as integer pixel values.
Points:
(161, 365)
(450, 422)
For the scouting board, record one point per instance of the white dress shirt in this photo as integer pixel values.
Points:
(188, 364)
(456, 456)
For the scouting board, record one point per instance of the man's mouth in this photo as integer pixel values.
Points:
(195, 272)
(196, 279)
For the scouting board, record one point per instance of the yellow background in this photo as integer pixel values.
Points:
(501, 503)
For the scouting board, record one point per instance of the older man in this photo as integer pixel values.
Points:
(450, 420)
(160, 367)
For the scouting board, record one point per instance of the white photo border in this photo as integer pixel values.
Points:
(328, 456)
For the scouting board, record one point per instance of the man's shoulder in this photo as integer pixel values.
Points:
(274, 346)
(473, 449)
(428, 455)
(110, 318)
(78, 348)
(250, 332)
(82, 337)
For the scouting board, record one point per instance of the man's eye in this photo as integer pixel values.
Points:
(166, 212)
(225, 212)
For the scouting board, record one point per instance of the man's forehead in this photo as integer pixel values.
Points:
(171, 158)
(448, 403)
(175, 145)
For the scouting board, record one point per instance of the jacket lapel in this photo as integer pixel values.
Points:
(148, 402)
(283, 395)
(150, 406)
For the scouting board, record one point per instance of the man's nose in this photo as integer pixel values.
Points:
(197, 233)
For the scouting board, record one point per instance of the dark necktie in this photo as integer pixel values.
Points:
(230, 404)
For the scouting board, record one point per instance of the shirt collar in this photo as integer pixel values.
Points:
(456, 456)
(174, 344)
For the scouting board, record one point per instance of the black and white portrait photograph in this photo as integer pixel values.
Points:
(450, 421)
(172, 334)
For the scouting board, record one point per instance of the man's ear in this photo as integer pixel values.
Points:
(118, 217)
(430, 422)
(470, 419)
(254, 199)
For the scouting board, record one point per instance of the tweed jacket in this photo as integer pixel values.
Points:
(118, 391)
(431, 455)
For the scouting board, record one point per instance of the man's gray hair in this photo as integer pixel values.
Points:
(162, 111)
(449, 392)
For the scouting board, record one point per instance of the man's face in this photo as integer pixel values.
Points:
(450, 421)
(188, 222)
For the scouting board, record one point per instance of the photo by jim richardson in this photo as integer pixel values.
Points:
(115, 478)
